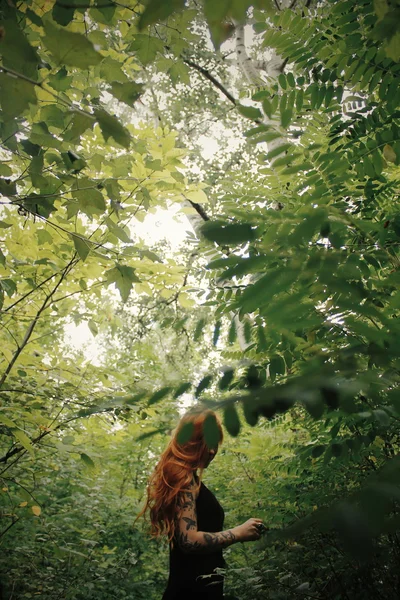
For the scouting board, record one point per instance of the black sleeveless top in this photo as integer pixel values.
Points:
(185, 570)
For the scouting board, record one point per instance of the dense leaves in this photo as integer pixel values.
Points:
(280, 311)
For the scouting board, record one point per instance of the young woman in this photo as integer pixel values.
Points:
(185, 510)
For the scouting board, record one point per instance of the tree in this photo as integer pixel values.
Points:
(299, 249)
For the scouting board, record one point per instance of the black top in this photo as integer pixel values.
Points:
(184, 581)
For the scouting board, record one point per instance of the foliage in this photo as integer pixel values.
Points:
(284, 316)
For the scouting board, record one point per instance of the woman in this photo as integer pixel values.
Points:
(185, 510)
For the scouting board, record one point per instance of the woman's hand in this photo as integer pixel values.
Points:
(248, 531)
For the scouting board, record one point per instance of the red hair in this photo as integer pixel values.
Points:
(174, 473)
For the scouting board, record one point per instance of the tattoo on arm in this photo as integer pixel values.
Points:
(219, 540)
(188, 501)
(190, 539)
(210, 542)
(190, 523)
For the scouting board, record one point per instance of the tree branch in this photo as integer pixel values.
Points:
(19, 449)
(60, 99)
(9, 527)
(21, 486)
(35, 83)
(29, 293)
(200, 210)
(33, 324)
(211, 78)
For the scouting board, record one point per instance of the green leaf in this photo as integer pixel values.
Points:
(217, 331)
(299, 100)
(5, 170)
(23, 440)
(70, 48)
(282, 81)
(339, 93)
(250, 112)
(185, 433)
(159, 10)
(111, 71)
(223, 233)
(7, 187)
(41, 135)
(250, 411)
(127, 92)
(369, 167)
(78, 124)
(15, 95)
(9, 286)
(307, 228)
(94, 330)
(278, 150)
(314, 406)
(211, 431)
(392, 47)
(222, 263)
(104, 12)
(7, 422)
(2, 259)
(159, 395)
(290, 80)
(17, 53)
(81, 246)
(267, 107)
(90, 199)
(62, 15)
(262, 345)
(60, 80)
(257, 294)
(232, 333)
(231, 420)
(87, 460)
(182, 389)
(146, 47)
(286, 117)
(199, 329)
(226, 379)
(318, 451)
(151, 433)
(111, 127)
(330, 394)
(336, 449)
(247, 330)
(32, 16)
(215, 13)
(120, 233)
(204, 383)
(179, 72)
(277, 366)
(44, 237)
(123, 277)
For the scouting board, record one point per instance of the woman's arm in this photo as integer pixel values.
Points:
(191, 540)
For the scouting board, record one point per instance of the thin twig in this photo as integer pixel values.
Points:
(33, 324)
(9, 527)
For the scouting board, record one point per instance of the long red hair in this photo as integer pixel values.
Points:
(173, 473)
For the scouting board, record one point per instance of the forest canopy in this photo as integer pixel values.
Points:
(271, 131)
